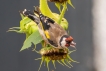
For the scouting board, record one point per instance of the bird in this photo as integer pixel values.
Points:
(51, 32)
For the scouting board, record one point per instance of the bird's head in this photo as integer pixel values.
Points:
(67, 41)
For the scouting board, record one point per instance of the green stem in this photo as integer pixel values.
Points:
(45, 9)
(62, 13)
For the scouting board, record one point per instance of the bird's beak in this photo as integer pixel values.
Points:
(73, 44)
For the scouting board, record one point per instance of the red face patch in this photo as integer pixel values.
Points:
(67, 45)
(68, 41)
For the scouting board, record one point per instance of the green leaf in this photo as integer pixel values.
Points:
(24, 21)
(64, 23)
(69, 1)
(58, 6)
(34, 38)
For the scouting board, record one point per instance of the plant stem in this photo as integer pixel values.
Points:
(45, 9)
(62, 13)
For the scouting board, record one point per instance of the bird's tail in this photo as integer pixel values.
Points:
(31, 15)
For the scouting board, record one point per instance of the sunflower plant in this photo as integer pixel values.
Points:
(30, 29)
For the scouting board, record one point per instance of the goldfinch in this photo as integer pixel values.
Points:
(51, 32)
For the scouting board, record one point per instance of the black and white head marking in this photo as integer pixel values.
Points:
(62, 40)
